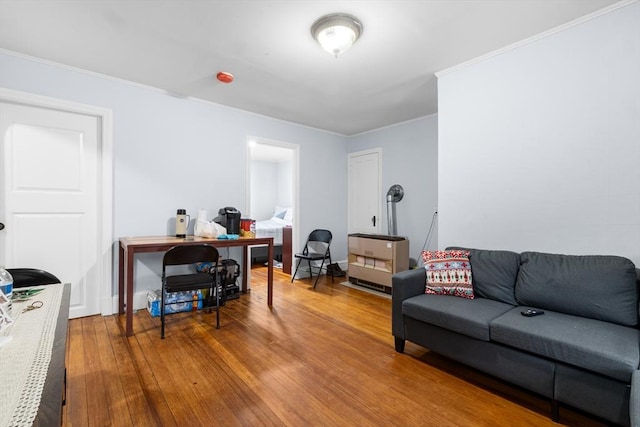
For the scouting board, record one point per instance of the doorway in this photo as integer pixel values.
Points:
(56, 194)
(272, 180)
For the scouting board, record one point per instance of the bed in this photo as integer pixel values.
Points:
(272, 227)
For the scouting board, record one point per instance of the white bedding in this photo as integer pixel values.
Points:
(271, 227)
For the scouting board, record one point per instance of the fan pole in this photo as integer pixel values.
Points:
(394, 195)
(391, 217)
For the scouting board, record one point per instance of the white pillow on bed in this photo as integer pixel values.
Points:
(284, 213)
(279, 212)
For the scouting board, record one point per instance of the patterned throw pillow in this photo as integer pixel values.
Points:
(448, 273)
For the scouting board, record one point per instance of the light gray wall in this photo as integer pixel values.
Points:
(409, 158)
(284, 196)
(171, 153)
(271, 185)
(539, 147)
(264, 189)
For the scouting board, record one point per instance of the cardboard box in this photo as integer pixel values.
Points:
(175, 302)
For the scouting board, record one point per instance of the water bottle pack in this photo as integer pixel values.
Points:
(6, 286)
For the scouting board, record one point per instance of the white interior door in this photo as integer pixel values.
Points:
(365, 183)
(50, 196)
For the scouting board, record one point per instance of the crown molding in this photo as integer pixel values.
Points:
(560, 28)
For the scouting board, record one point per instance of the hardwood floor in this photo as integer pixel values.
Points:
(321, 358)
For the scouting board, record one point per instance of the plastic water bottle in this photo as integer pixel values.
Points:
(6, 286)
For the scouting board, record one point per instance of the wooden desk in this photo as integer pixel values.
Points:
(129, 246)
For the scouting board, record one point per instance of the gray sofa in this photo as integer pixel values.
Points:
(584, 351)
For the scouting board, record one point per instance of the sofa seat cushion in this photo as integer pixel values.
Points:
(602, 347)
(470, 317)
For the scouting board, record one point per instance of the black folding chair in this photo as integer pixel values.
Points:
(316, 249)
(189, 255)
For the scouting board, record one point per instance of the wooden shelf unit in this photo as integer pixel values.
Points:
(374, 258)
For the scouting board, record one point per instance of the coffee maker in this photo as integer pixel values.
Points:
(229, 218)
(233, 221)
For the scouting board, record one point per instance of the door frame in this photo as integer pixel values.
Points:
(350, 202)
(295, 176)
(105, 179)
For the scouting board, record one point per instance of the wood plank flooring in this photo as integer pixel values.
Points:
(321, 357)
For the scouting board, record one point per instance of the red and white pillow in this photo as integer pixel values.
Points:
(448, 273)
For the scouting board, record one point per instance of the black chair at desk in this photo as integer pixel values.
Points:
(189, 255)
(24, 277)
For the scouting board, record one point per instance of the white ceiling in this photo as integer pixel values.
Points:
(280, 71)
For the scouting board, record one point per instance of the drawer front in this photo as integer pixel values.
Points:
(370, 275)
(371, 247)
(385, 265)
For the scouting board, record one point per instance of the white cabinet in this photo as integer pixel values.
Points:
(375, 258)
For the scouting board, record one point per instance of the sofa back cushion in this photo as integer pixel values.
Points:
(494, 274)
(593, 286)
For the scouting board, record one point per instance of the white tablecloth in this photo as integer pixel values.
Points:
(24, 361)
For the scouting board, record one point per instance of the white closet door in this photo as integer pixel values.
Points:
(365, 183)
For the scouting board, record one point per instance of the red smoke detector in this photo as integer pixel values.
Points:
(225, 77)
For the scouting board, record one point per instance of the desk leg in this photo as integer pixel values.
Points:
(245, 273)
(120, 279)
(129, 286)
(270, 275)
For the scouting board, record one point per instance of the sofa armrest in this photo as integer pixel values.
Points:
(405, 284)
(634, 400)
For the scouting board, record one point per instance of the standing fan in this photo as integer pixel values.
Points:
(394, 195)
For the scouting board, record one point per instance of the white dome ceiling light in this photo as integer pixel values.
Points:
(336, 32)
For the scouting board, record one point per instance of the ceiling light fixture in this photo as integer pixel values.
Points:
(336, 32)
